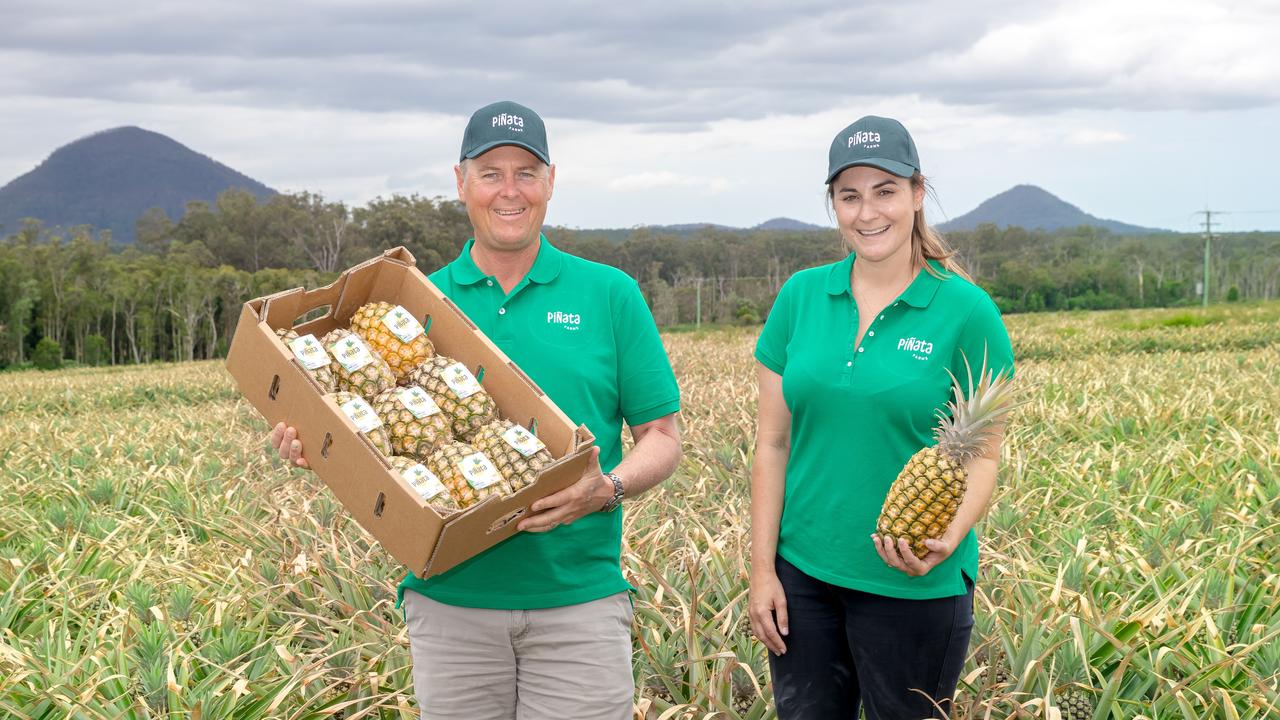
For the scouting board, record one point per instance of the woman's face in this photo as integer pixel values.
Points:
(875, 211)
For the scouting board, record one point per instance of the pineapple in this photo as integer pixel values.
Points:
(457, 392)
(365, 419)
(311, 356)
(426, 483)
(923, 500)
(1075, 703)
(395, 334)
(516, 452)
(467, 472)
(414, 421)
(356, 368)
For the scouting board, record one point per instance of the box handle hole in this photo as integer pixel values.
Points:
(275, 387)
(533, 426)
(480, 373)
(507, 519)
(379, 505)
(426, 324)
(324, 446)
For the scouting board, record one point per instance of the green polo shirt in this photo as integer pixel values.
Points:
(859, 413)
(582, 332)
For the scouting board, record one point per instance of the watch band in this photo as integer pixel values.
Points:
(616, 500)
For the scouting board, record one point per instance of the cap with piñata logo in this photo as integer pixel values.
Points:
(875, 141)
(505, 123)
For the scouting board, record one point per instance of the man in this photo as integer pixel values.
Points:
(540, 625)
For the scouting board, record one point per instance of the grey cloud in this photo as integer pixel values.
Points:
(675, 62)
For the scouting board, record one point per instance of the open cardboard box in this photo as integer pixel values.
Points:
(380, 500)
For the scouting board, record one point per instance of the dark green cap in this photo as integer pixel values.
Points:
(505, 123)
(879, 142)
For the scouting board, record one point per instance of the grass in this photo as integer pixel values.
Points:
(157, 561)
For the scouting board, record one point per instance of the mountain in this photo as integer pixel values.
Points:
(1031, 207)
(109, 179)
(786, 223)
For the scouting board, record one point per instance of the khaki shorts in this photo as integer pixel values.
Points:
(564, 663)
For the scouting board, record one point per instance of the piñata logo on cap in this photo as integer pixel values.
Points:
(511, 122)
(863, 137)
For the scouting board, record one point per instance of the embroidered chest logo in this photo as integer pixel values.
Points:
(568, 321)
(919, 349)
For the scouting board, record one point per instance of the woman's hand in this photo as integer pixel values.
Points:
(899, 556)
(285, 441)
(767, 608)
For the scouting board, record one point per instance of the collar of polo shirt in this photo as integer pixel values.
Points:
(918, 294)
(546, 267)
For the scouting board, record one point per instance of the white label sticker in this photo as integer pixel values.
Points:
(417, 401)
(460, 380)
(479, 471)
(424, 481)
(309, 351)
(402, 324)
(362, 415)
(351, 353)
(525, 442)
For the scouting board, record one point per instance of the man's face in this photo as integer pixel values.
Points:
(506, 191)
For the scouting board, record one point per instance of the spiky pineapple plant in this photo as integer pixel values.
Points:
(425, 482)
(457, 392)
(516, 452)
(356, 368)
(924, 498)
(365, 419)
(311, 355)
(416, 424)
(394, 334)
(468, 473)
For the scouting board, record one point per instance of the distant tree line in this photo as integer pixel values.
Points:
(176, 293)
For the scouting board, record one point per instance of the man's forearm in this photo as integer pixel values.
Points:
(653, 458)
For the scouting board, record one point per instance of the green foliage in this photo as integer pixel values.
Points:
(1233, 294)
(48, 354)
(95, 350)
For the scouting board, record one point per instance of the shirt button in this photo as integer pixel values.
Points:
(502, 311)
(861, 349)
(489, 283)
(871, 333)
(881, 317)
(849, 364)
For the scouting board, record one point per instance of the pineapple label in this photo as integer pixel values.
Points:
(479, 471)
(460, 380)
(417, 401)
(361, 414)
(402, 324)
(424, 481)
(524, 442)
(309, 351)
(351, 353)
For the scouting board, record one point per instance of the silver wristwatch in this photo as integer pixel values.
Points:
(616, 500)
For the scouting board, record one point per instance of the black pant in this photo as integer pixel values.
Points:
(846, 648)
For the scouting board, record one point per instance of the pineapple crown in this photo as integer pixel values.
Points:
(963, 433)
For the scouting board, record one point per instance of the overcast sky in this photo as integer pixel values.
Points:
(669, 112)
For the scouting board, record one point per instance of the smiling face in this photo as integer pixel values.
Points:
(875, 211)
(506, 191)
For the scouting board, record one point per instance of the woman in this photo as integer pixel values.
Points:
(852, 369)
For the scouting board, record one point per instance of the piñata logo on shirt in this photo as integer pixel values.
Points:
(566, 320)
(919, 349)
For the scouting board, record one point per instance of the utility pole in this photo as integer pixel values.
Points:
(1208, 235)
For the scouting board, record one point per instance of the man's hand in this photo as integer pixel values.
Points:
(285, 441)
(578, 500)
(900, 557)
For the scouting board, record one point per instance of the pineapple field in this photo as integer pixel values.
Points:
(158, 560)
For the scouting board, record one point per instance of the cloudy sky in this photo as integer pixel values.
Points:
(666, 112)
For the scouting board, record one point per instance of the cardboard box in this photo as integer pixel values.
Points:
(384, 504)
